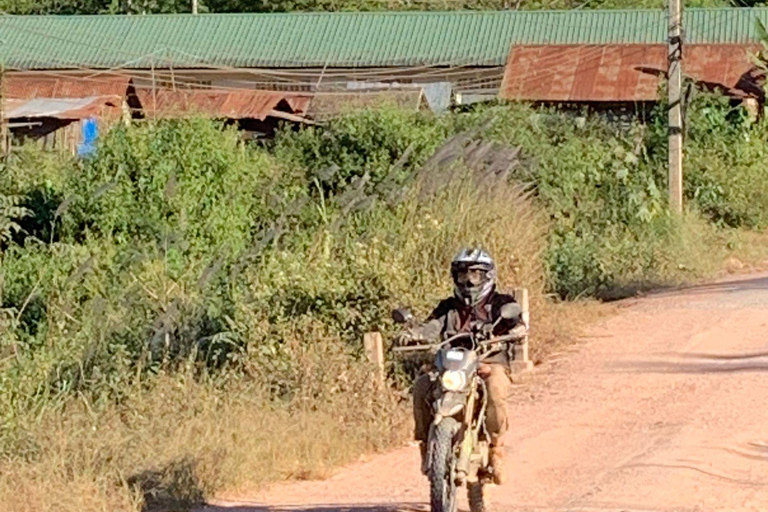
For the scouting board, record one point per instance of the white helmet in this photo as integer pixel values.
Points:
(473, 287)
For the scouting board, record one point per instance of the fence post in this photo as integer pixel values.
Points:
(522, 362)
(374, 351)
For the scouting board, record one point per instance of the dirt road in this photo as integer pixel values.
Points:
(662, 409)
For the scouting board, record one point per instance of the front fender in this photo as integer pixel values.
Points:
(449, 404)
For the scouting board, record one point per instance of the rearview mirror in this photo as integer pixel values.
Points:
(511, 310)
(402, 316)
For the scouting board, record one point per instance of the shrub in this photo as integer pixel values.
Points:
(367, 142)
(176, 183)
(724, 175)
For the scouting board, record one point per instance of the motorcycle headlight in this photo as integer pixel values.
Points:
(453, 380)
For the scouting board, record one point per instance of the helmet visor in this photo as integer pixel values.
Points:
(471, 277)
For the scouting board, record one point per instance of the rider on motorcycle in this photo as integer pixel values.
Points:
(475, 306)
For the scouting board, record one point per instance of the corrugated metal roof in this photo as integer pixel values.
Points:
(619, 73)
(20, 86)
(63, 108)
(220, 104)
(339, 39)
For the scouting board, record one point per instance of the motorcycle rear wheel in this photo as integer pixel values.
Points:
(442, 471)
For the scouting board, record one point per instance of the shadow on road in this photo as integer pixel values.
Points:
(362, 507)
(723, 357)
(704, 367)
(732, 286)
(654, 290)
(738, 285)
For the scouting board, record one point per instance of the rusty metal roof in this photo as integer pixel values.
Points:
(220, 103)
(728, 68)
(30, 86)
(64, 108)
(618, 72)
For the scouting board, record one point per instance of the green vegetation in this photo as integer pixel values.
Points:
(183, 313)
(605, 187)
(602, 183)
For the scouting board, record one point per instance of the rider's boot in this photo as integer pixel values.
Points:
(497, 463)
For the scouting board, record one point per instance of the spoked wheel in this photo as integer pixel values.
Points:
(442, 472)
(476, 498)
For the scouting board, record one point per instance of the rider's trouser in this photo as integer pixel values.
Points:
(496, 421)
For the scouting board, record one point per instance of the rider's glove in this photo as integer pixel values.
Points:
(520, 330)
(409, 336)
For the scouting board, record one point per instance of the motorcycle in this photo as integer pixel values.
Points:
(458, 445)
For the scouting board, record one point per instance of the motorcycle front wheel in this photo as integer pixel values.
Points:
(442, 473)
(476, 498)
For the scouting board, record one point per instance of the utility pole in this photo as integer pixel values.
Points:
(675, 84)
(194, 6)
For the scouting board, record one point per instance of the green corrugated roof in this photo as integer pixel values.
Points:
(339, 39)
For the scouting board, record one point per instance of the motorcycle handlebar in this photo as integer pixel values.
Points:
(431, 346)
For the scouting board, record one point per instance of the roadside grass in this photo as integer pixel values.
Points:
(748, 251)
(178, 441)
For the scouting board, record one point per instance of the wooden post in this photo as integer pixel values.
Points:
(374, 351)
(675, 84)
(522, 362)
(752, 106)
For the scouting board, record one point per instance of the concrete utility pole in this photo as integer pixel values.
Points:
(194, 6)
(675, 106)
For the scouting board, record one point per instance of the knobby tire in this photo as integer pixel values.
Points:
(442, 492)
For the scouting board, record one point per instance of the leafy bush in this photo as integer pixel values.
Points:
(595, 181)
(367, 142)
(726, 174)
(604, 186)
(176, 183)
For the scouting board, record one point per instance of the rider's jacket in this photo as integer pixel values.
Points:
(452, 316)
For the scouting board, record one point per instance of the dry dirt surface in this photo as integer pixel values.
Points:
(661, 408)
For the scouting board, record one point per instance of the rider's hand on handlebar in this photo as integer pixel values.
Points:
(520, 330)
(409, 337)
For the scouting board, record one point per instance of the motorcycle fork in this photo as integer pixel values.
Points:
(469, 439)
(470, 462)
